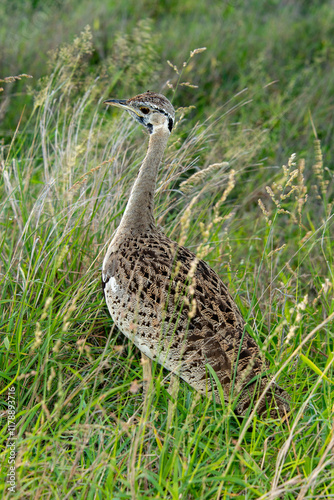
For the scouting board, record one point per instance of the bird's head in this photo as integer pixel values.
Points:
(152, 110)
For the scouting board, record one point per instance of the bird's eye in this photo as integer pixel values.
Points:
(144, 110)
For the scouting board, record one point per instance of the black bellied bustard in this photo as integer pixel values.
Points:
(173, 306)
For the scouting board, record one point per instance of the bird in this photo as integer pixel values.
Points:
(172, 305)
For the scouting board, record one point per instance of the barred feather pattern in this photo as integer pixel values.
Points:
(178, 311)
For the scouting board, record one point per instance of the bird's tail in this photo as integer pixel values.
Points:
(275, 402)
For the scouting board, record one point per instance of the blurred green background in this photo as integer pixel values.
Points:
(281, 52)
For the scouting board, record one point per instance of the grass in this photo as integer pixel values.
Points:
(83, 428)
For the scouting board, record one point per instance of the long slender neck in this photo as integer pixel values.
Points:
(138, 215)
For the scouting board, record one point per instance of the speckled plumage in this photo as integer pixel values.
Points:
(174, 307)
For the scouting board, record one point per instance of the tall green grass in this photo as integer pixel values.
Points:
(84, 429)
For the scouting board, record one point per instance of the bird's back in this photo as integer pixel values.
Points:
(178, 311)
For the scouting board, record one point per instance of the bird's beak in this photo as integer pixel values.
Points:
(120, 103)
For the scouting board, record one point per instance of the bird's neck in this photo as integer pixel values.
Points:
(138, 216)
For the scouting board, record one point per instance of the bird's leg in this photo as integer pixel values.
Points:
(147, 373)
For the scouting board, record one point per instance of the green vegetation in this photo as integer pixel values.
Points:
(264, 98)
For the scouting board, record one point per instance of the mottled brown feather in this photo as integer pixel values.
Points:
(155, 310)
